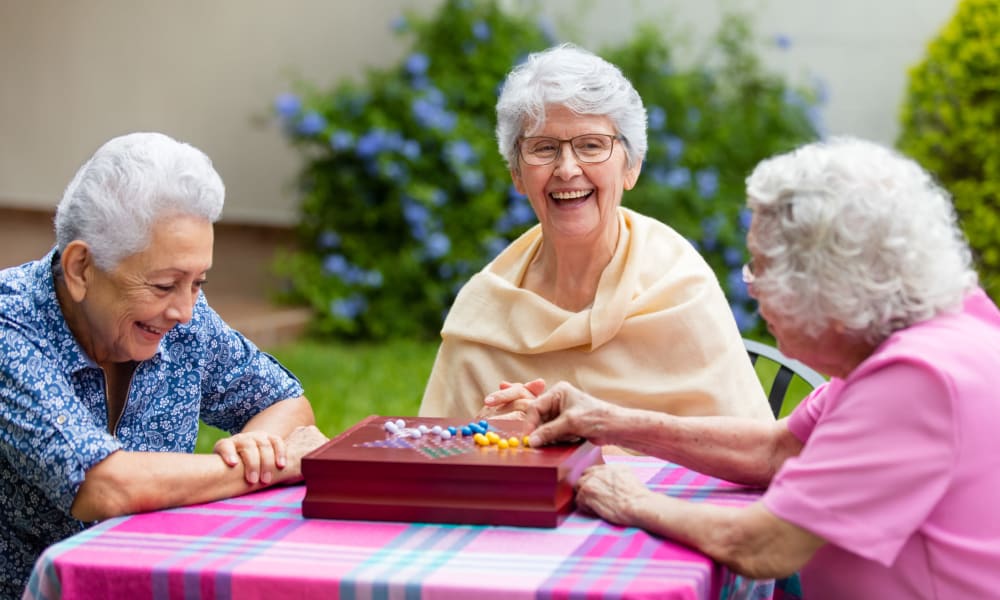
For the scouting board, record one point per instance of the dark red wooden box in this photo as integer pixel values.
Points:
(369, 473)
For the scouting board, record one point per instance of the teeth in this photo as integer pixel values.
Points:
(570, 195)
(150, 329)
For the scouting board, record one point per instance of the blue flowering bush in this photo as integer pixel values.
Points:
(404, 194)
(709, 124)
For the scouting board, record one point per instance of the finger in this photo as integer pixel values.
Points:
(504, 396)
(226, 449)
(280, 452)
(265, 449)
(548, 433)
(250, 454)
(535, 386)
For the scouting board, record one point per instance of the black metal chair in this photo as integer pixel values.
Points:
(788, 368)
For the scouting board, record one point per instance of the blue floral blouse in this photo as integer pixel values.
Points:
(53, 414)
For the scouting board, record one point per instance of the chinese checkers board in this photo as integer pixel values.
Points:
(382, 469)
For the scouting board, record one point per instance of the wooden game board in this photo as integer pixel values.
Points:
(369, 473)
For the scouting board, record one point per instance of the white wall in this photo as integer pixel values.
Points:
(73, 74)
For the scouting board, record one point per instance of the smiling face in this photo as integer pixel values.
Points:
(569, 197)
(122, 315)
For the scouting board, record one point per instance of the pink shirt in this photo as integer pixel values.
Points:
(900, 472)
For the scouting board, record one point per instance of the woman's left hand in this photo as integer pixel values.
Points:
(510, 400)
(261, 453)
(611, 492)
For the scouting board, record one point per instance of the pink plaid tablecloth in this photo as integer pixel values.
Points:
(259, 546)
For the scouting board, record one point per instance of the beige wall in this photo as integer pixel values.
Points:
(73, 74)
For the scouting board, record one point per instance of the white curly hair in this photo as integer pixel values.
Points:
(583, 82)
(854, 233)
(131, 181)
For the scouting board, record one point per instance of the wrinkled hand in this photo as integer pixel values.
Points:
(262, 454)
(301, 441)
(511, 400)
(564, 412)
(611, 492)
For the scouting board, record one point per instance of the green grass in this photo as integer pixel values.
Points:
(347, 382)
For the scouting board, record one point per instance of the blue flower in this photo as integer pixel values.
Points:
(678, 177)
(438, 197)
(399, 24)
(815, 116)
(370, 143)
(417, 63)
(660, 174)
(675, 147)
(710, 232)
(733, 257)
(745, 320)
(328, 239)
(495, 246)
(657, 118)
(341, 140)
(373, 278)
(336, 264)
(350, 307)
(746, 215)
(481, 30)
(393, 170)
(287, 105)
(417, 217)
(737, 288)
(437, 245)
(459, 152)
(431, 114)
(410, 149)
(520, 212)
(311, 123)
(821, 90)
(782, 41)
(708, 182)
(548, 30)
(472, 181)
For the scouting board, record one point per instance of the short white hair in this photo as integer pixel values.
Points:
(856, 234)
(579, 80)
(131, 182)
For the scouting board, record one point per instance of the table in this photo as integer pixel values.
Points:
(259, 546)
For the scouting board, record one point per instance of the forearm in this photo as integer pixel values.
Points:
(282, 417)
(747, 451)
(131, 482)
(749, 540)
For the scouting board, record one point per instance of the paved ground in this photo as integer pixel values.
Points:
(239, 285)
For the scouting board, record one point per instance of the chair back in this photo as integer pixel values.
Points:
(788, 368)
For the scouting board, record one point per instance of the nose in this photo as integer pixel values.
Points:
(181, 307)
(567, 166)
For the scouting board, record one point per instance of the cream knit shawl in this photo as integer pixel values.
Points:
(659, 335)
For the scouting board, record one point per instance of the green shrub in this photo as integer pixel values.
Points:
(951, 124)
(404, 194)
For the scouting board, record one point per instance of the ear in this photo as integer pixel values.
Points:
(78, 269)
(632, 175)
(515, 176)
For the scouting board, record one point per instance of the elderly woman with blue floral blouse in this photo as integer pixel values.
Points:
(110, 355)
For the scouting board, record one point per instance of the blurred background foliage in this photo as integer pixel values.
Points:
(404, 194)
(951, 125)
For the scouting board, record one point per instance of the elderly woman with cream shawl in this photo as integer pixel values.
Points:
(615, 302)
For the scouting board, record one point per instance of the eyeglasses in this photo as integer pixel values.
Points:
(587, 148)
(748, 274)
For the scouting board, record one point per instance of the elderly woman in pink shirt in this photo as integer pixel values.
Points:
(883, 482)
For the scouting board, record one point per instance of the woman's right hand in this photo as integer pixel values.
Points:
(563, 412)
(511, 400)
